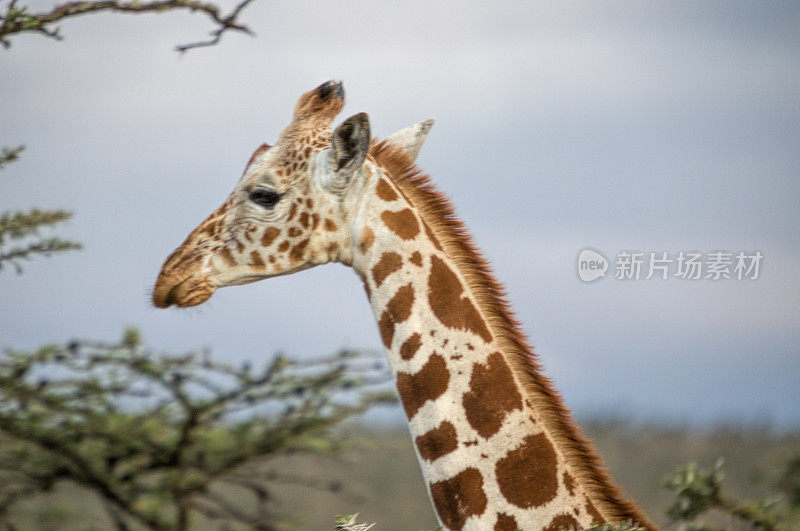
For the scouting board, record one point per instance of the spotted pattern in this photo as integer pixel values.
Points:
(448, 301)
(437, 442)
(256, 262)
(492, 395)
(562, 522)
(403, 223)
(458, 498)
(388, 264)
(429, 383)
(527, 475)
(397, 310)
(296, 253)
(505, 523)
(269, 236)
(411, 346)
(384, 191)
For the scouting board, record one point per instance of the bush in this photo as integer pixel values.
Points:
(150, 434)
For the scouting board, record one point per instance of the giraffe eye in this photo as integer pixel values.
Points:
(264, 198)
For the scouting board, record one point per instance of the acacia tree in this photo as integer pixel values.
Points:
(157, 437)
(699, 492)
(24, 228)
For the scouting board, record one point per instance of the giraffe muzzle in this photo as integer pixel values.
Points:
(189, 291)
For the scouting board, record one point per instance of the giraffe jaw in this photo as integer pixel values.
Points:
(240, 276)
(194, 290)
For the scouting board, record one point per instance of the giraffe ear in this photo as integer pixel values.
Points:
(411, 138)
(349, 147)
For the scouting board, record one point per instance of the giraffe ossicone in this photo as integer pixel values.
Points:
(496, 445)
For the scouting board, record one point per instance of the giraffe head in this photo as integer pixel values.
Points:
(290, 209)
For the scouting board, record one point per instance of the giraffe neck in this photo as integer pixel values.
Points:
(483, 435)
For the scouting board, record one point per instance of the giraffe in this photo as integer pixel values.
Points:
(496, 445)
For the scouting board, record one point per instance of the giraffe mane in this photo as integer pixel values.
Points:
(438, 213)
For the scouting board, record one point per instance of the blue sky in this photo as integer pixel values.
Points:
(628, 126)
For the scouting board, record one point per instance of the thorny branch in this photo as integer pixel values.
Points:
(146, 434)
(25, 227)
(16, 19)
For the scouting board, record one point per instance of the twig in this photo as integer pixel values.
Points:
(17, 19)
(228, 23)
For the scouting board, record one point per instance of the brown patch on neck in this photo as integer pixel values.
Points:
(438, 442)
(492, 395)
(397, 310)
(388, 264)
(437, 213)
(458, 498)
(527, 475)
(561, 522)
(449, 303)
(385, 191)
(403, 223)
(410, 346)
(505, 523)
(429, 383)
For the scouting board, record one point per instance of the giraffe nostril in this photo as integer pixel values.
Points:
(169, 300)
(163, 297)
(182, 291)
(165, 292)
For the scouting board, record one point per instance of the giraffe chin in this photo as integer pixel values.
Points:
(190, 291)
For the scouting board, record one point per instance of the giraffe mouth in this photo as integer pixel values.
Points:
(186, 292)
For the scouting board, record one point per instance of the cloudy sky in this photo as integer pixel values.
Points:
(652, 127)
